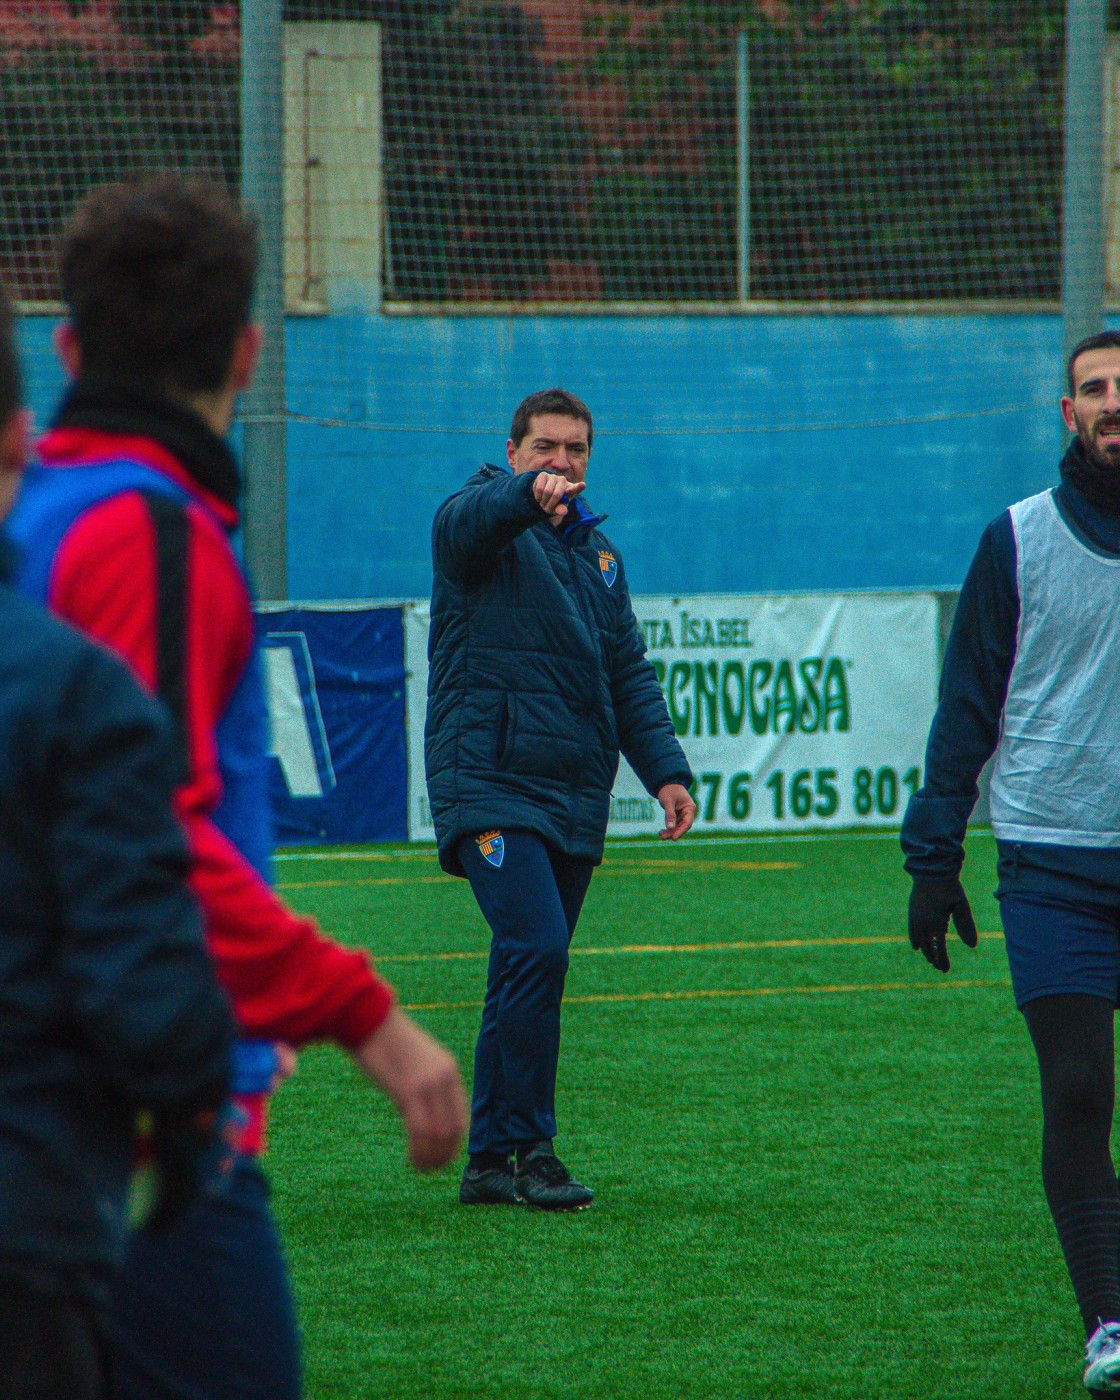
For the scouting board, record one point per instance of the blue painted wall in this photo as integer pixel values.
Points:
(732, 453)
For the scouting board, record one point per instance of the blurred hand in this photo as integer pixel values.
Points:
(680, 811)
(933, 900)
(552, 493)
(422, 1079)
(286, 1063)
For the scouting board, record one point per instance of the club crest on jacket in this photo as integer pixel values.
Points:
(491, 847)
(608, 567)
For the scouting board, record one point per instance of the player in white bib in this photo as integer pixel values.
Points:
(1032, 675)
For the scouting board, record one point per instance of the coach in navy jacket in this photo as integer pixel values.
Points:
(538, 680)
(1032, 674)
(538, 676)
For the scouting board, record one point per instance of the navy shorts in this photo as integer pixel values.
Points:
(1057, 945)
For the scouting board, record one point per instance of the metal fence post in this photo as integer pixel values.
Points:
(1083, 242)
(263, 405)
(743, 162)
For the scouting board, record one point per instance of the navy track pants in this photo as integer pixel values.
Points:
(50, 1348)
(531, 900)
(205, 1311)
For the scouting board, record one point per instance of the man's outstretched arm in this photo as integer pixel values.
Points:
(472, 527)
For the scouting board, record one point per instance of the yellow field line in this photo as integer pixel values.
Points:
(715, 994)
(629, 868)
(699, 867)
(738, 947)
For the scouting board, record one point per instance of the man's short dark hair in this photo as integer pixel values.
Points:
(549, 401)
(11, 384)
(1103, 340)
(158, 278)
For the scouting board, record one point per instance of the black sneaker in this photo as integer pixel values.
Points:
(545, 1182)
(488, 1186)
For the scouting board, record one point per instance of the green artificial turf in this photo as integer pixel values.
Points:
(816, 1162)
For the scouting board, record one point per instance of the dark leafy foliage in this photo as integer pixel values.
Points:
(75, 117)
(896, 151)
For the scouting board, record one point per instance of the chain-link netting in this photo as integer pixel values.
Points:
(583, 151)
(95, 91)
(594, 150)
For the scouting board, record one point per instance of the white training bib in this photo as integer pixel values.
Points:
(1056, 778)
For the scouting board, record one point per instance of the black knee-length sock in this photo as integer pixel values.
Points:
(1073, 1038)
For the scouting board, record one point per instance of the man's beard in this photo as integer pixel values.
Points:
(1107, 458)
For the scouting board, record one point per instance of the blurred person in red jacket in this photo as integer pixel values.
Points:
(109, 1007)
(125, 522)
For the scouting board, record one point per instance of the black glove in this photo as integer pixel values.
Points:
(932, 900)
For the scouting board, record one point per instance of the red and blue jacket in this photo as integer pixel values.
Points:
(124, 524)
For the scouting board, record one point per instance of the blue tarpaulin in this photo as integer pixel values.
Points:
(335, 683)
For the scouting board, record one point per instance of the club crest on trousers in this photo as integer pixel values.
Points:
(608, 567)
(491, 847)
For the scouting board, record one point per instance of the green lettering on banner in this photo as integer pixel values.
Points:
(656, 633)
(785, 699)
(760, 674)
(836, 697)
(680, 674)
(733, 697)
(774, 696)
(739, 797)
(809, 711)
(707, 693)
(699, 632)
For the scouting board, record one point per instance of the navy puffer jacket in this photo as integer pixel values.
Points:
(108, 1000)
(538, 675)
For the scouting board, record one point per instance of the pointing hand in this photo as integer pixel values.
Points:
(552, 493)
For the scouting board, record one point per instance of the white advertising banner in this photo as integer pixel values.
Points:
(417, 616)
(796, 712)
